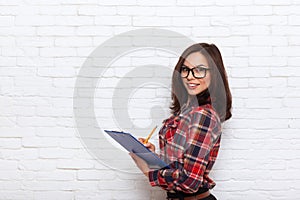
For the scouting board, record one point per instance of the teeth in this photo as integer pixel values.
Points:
(192, 85)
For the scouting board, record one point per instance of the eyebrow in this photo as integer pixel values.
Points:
(200, 65)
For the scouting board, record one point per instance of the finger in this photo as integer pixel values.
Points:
(148, 144)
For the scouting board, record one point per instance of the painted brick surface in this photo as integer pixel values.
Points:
(43, 45)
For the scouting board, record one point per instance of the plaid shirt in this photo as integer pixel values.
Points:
(189, 143)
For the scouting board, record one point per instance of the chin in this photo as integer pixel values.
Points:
(193, 93)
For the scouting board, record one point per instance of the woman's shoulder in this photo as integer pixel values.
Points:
(206, 110)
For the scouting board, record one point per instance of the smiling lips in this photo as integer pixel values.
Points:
(192, 86)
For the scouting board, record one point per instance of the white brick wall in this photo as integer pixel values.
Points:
(43, 44)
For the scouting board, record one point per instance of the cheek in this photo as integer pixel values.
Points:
(205, 81)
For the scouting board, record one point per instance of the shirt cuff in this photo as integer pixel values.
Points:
(153, 177)
(162, 177)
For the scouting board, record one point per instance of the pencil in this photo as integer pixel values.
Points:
(149, 136)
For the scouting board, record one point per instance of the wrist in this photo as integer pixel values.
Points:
(146, 174)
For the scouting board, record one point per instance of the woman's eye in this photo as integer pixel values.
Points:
(200, 69)
(184, 69)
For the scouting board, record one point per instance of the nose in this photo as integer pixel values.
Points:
(190, 75)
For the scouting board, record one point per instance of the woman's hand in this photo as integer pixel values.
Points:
(140, 163)
(149, 145)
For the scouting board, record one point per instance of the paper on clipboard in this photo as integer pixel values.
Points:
(131, 144)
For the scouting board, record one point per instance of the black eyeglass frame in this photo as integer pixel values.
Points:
(192, 70)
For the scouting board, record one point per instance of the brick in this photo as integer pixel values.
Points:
(95, 31)
(83, 195)
(6, 21)
(271, 185)
(35, 121)
(10, 143)
(6, 62)
(263, 103)
(9, 175)
(117, 2)
(8, 10)
(278, 2)
(31, 20)
(122, 185)
(262, 124)
(269, 20)
(37, 165)
(55, 31)
(57, 52)
(250, 72)
(267, 82)
(294, 20)
(100, 10)
(156, 2)
(136, 10)
(32, 81)
(8, 187)
(286, 10)
(79, 2)
(211, 31)
(231, 41)
(175, 11)
(112, 20)
(230, 20)
(16, 132)
(268, 41)
(285, 30)
(7, 121)
(294, 40)
(75, 164)
(268, 61)
(254, 10)
(86, 175)
(293, 61)
(17, 31)
(233, 2)
(39, 142)
(48, 185)
(293, 81)
(286, 51)
(213, 11)
(57, 175)
(56, 72)
(56, 153)
(194, 3)
(73, 42)
(73, 20)
(35, 41)
(55, 132)
(285, 71)
(257, 51)
(250, 30)
(8, 164)
(48, 195)
(58, 10)
(190, 21)
(133, 194)
(151, 21)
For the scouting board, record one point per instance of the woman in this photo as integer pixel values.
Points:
(189, 140)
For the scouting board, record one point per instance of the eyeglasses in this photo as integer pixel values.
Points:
(198, 72)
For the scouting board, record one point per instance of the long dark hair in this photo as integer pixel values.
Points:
(218, 93)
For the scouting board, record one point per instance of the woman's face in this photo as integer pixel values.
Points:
(194, 85)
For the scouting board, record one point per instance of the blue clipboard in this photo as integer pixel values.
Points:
(131, 144)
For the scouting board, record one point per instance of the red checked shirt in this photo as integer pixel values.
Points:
(189, 143)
